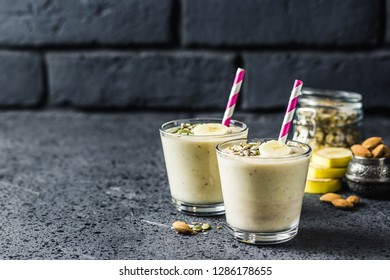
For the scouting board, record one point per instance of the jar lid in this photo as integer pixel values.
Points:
(324, 97)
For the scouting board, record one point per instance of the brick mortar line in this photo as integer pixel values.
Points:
(175, 23)
(210, 50)
(45, 81)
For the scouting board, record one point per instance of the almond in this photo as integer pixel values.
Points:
(379, 151)
(387, 154)
(354, 199)
(372, 142)
(342, 203)
(360, 151)
(182, 227)
(329, 197)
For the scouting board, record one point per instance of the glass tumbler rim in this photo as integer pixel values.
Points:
(242, 125)
(306, 153)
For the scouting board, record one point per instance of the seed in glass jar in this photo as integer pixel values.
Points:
(352, 137)
(319, 135)
(335, 138)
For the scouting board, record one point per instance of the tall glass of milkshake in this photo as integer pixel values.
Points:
(191, 162)
(263, 182)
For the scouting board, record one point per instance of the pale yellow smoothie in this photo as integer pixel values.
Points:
(263, 193)
(191, 164)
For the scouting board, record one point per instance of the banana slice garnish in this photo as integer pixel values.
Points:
(274, 148)
(211, 129)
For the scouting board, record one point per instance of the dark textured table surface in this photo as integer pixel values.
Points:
(94, 186)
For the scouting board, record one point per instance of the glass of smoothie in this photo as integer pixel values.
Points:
(263, 182)
(191, 162)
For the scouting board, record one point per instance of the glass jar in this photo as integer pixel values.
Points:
(328, 118)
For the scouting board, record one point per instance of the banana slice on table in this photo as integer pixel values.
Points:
(322, 185)
(274, 148)
(332, 157)
(211, 129)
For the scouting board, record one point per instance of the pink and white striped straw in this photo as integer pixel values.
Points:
(288, 117)
(227, 117)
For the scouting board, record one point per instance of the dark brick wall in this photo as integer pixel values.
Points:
(71, 22)
(367, 73)
(21, 79)
(281, 22)
(182, 54)
(144, 79)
